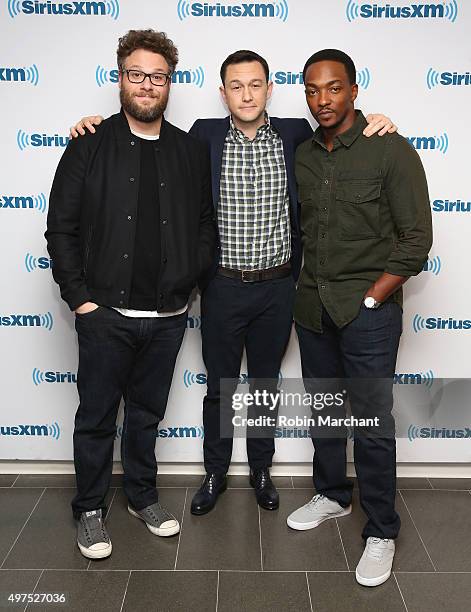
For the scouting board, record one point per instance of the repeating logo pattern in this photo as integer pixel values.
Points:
(438, 433)
(419, 324)
(278, 9)
(433, 265)
(430, 143)
(25, 140)
(435, 78)
(37, 263)
(193, 322)
(37, 202)
(28, 320)
(364, 78)
(191, 431)
(33, 7)
(29, 74)
(445, 10)
(51, 430)
(39, 377)
(417, 378)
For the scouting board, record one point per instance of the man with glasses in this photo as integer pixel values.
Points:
(131, 230)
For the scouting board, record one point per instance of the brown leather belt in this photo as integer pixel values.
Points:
(254, 276)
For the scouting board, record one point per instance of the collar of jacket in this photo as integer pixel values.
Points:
(123, 131)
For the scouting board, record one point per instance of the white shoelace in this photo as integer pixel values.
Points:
(316, 500)
(373, 551)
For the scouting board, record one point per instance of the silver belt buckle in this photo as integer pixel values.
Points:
(246, 280)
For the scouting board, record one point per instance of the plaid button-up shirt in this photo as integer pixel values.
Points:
(253, 210)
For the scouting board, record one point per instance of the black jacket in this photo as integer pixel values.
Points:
(91, 223)
(292, 133)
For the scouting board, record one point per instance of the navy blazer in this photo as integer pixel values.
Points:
(292, 132)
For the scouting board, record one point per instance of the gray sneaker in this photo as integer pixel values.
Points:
(92, 538)
(315, 512)
(376, 562)
(158, 520)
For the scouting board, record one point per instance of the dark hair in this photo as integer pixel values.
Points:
(157, 42)
(243, 56)
(333, 55)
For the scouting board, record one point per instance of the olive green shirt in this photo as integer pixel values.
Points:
(364, 210)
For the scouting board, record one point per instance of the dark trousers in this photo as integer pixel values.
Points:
(235, 314)
(364, 349)
(121, 357)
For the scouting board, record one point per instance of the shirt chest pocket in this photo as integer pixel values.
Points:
(357, 204)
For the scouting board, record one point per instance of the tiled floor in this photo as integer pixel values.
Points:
(236, 558)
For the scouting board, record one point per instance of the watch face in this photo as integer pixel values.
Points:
(369, 302)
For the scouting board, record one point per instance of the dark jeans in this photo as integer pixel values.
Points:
(236, 314)
(366, 348)
(121, 357)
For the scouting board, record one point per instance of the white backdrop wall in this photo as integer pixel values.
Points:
(58, 64)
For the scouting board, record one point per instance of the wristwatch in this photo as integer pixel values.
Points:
(371, 303)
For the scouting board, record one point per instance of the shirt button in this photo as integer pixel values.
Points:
(125, 256)
(326, 181)
(132, 142)
(322, 262)
(322, 235)
(131, 179)
(322, 286)
(161, 296)
(121, 302)
(164, 260)
(164, 221)
(122, 292)
(162, 184)
(129, 217)
(157, 150)
(325, 208)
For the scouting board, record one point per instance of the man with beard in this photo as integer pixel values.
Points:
(131, 230)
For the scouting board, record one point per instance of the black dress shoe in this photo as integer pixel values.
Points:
(206, 497)
(265, 490)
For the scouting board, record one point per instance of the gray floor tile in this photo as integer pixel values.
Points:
(303, 482)
(91, 591)
(57, 480)
(179, 480)
(171, 592)
(242, 482)
(49, 538)
(262, 591)
(413, 483)
(6, 480)
(425, 592)
(332, 592)
(443, 519)
(451, 483)
(13, 582)
(15, 506)
(134, 546)
(225, 538)
(287, 549)
(411, 555)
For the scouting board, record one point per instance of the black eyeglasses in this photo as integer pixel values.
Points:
(157, 78)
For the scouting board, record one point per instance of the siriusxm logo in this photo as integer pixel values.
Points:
(418, 378)
(277, 9)
(189, 76)
(108, 8)
(282, 77)
(439, 323)
(193, 322)
(190, 378)
(445, 10)
(40, 377)
(416, 431)
(435, 78)
(172, 432)
(24, 140)
(431, 143)
(27, 320)
(458, 206)
(25, 75)
(52, 431)
(37, 263)
(37, 202)
(433, 265)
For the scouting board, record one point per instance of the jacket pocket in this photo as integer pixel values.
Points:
(358, 209)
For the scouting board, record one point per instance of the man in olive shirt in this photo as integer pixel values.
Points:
(366, 227)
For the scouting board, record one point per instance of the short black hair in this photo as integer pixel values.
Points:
(243, 55)
(333, 55)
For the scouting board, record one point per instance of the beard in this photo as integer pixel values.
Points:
(145, 114)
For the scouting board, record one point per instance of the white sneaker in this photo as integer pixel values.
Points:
(315, 512)
(376, 562)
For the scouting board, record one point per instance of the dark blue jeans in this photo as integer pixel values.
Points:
(237, 314)
(121, 357)
(366, 348)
